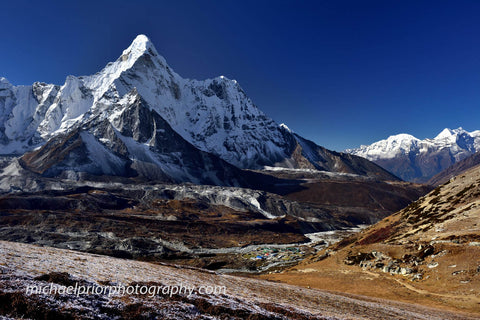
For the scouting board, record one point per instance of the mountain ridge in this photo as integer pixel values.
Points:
(135, 142)
(418, 160)
(214, 116)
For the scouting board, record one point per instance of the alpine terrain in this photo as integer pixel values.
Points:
(428, 252)
(418, 160)
(139, 148)
(455, 170)
(137, 163)
(137, 114)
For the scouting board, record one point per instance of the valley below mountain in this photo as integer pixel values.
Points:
(455, 170)
(139, 173)
(426, 253)
(23, 265)
(138, 162)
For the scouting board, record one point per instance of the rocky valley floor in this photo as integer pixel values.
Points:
(203, 226)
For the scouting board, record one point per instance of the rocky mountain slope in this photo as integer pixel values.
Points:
(418, 160)
(83, 127)
(455, 170)
(209, 295)
(134, 142)
(429, 252)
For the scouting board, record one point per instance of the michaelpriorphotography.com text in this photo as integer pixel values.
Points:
(121, 290)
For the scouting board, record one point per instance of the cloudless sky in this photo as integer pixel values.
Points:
(341, 73)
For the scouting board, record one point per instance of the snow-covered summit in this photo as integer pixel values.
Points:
(140, 45)
(387, 148)
(446, 133)
(284, 126)
(213, 115)
(424, 158)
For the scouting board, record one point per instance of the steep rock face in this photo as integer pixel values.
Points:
(133, 142)
(418, 160)
(22, 108)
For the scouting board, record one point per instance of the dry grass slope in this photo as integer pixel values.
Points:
(23, 264)
(427, 253)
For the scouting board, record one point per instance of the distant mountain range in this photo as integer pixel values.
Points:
(138, 118)
(418, 160)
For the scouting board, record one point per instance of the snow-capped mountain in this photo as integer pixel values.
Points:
(214, 116)
(418, 160)
(134, 141)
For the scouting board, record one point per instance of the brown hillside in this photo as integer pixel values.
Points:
(427, 253)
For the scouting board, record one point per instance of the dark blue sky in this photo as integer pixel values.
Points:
(341, 73)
